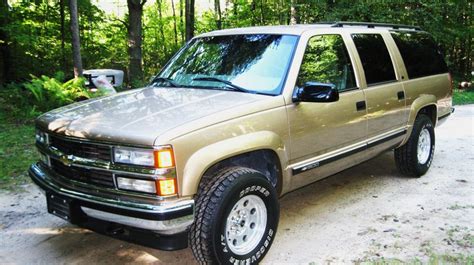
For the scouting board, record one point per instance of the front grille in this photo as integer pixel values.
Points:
(84, 175)
(80, 149)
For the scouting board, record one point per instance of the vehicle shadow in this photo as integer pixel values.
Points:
(69, 244)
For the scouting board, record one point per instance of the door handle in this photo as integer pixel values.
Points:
(401, 95)
(360, 105)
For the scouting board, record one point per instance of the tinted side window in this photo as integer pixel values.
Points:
(375, 58)
(420, 54)
(326, 60)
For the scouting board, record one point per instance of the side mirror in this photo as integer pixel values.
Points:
(316, 92)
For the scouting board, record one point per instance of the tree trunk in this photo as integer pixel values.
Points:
(135, 11)
(5, 61)
(294, 18)
(253, 11)
(466, 62)
(262, 12)
(63, 34)
(189, 13)
(76, 42)
(181, 19)
(162, 32)
(175, 30)
(217, 7)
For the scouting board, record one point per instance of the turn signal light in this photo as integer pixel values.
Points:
(166, 187)
(164, 158)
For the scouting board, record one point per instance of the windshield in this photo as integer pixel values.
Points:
(245, 63)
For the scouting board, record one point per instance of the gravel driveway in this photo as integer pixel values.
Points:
(366, 213)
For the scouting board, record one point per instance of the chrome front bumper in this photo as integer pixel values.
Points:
(166, 217)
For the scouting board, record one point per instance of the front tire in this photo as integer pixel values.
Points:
(236, 220)
(415, 156)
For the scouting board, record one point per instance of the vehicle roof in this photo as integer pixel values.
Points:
(300, 28)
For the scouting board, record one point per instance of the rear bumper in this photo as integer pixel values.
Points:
(167, 218)
(443, 118)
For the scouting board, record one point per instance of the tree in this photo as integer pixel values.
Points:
(160, 16)
(217, 9)
(76, 41)
(35, 40)
(4, 49)
(189, 13)
(135, 12)
(62, 17)
(294, 18)
(175, 30)
(181, 20)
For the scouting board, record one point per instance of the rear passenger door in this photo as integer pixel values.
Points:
(384, 93)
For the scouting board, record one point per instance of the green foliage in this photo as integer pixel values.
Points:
(36, 39)
(41, 94)
(160, 41)
(50, 93)
(17, 152)
(462, 97)
(40, 46)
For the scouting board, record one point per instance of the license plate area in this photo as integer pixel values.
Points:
(59, 206)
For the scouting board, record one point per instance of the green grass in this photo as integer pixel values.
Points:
(463, 97)
(17, 152)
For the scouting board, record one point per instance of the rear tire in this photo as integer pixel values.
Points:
(236, 218)
(415, 156)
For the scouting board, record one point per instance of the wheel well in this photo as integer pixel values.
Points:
(430, 111)
(265, 161)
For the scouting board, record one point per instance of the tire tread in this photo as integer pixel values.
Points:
(405, 159)
(209, 196)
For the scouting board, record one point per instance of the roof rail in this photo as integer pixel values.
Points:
(340, 24)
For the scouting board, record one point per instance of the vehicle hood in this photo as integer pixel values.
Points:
(140, 116)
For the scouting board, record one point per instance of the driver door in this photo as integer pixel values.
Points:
(326, 135)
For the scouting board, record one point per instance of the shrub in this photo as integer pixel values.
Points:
(15, 102)
(50, 93)
(28, 100)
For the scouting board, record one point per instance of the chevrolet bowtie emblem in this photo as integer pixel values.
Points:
(66, 160)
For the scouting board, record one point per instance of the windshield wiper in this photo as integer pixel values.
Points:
(228, 83)
(164, 79)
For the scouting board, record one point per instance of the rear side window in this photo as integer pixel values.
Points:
(375, 58)
(420, 54)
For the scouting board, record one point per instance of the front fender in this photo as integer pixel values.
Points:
(204, 158)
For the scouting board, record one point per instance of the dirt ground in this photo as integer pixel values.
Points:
(366, 213)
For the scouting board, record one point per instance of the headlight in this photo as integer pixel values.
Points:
(158, 158)
(161, 187)
(148, 186)
(134, 156)
(41, 137)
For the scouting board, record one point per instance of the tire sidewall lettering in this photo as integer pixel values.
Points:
(254, 256)
(419, 168)
(254, 188)
(430, 129)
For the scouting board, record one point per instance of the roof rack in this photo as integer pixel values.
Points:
(341, 24)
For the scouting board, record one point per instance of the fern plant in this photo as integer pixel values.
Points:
(41, 94)
(50, 93)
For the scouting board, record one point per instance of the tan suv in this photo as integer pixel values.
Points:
(235, 120)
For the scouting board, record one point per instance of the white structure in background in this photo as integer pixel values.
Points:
(104, 79)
